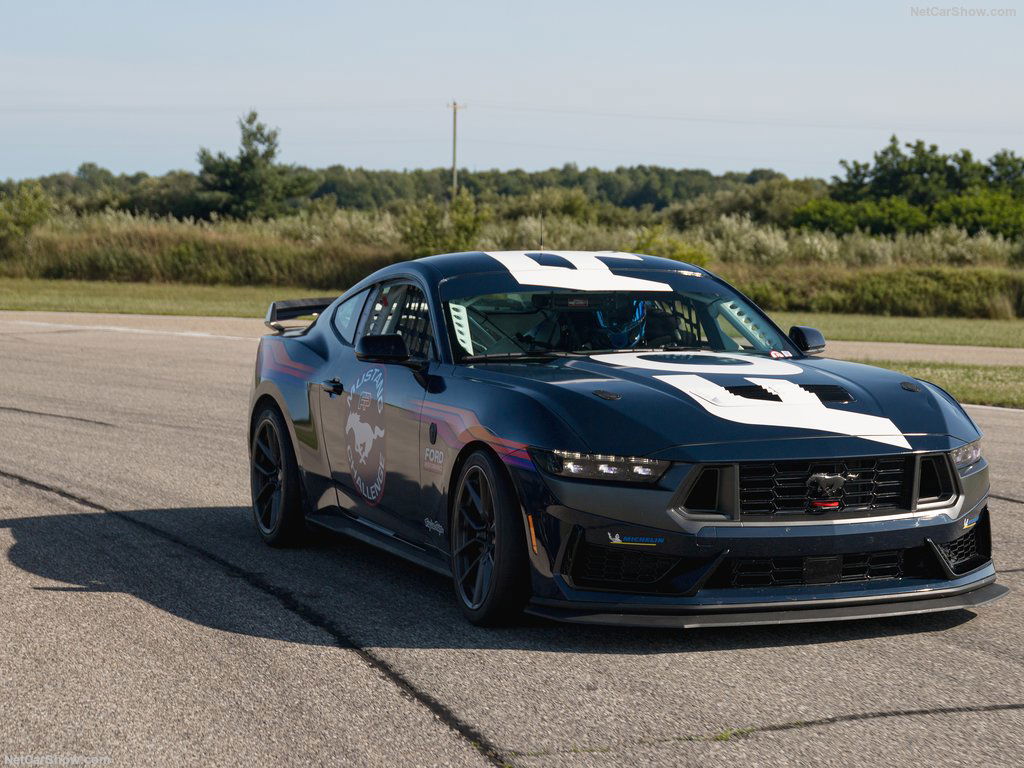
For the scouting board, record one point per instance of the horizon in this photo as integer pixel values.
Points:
(141, 88)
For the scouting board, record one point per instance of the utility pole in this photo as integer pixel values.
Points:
(455, 124)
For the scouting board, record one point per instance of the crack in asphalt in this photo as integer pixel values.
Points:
(734, 733)
(1006, 498)
(306, 613)
(12, 409)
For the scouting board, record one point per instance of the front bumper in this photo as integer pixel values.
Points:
(615, 567)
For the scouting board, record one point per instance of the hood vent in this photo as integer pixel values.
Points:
(828, 393)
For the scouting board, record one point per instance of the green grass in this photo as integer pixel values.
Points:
(1001, 385)
(919, 330)
(145, 298)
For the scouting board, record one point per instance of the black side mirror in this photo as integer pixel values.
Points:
(385, 348)
(810, 341)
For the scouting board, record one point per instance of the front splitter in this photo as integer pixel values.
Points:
(775, 615)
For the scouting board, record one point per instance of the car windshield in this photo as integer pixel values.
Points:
(700, 314)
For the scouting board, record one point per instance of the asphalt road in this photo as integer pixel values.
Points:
(142, 619)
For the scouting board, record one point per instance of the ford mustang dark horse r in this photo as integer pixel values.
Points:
(615, 438)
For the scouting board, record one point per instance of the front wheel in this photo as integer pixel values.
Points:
(489, 560)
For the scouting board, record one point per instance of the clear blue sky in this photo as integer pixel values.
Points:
(723, 85)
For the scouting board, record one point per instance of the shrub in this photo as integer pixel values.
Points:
(913, 292)
(879, 217)
(772, 201)
(427, 227)
(996, 212)
(27, 207)
(659, 241)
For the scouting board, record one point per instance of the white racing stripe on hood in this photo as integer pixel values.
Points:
(589, 273)
(799, 409)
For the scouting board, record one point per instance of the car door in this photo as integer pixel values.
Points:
(371, 425)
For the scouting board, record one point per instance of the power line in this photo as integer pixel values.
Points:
(782, 123)
(163, 109)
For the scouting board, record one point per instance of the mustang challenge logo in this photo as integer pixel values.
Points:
(365, 432)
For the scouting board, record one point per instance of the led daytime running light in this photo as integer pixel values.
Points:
(600, 466)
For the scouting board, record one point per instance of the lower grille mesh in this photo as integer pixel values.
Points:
(619, 566)
(964, 553)
(796, 571)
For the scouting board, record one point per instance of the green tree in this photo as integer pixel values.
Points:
(251, 185)
(997, 212)
(922, 176)
(26, 207)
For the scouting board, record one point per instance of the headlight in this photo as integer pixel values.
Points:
(597, 466)
(966, 455)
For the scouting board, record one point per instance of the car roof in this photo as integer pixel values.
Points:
(434, 269)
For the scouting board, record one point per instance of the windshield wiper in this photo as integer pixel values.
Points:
(636, 350)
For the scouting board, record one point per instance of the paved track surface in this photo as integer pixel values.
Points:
(142, 619)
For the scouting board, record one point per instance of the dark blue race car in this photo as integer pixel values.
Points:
(615, 438)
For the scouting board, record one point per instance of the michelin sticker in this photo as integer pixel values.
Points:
(586, 271)
(796, 406)
(364, 431)
(635, 541)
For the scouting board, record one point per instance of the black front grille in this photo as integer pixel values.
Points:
(619, 564)
(787, 488)
(797, 571)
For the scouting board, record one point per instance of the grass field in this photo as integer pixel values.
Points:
(145, 298)
(235, 301)
(980, 384)
(918, 330)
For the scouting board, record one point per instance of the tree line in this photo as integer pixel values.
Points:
(905, 188)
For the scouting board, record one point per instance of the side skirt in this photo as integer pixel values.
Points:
(382, 538)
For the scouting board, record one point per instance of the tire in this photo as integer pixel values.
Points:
(489, 562)
(274, 480)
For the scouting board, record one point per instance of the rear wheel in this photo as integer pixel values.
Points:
(489, 560)
(274, 477)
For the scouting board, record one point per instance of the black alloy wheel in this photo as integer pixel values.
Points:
(276, 495)
(489, 559)
(474, 542)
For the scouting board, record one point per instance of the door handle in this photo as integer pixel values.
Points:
(332, 386)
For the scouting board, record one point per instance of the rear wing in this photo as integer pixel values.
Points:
(292, 308)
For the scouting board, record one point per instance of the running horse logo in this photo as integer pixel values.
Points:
(827, 486)
(363, 435)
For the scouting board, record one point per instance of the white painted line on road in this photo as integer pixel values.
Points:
(121, 329)
(994, 407)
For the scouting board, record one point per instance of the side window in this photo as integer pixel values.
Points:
(402, 308)
(347, 315)
(414, 324)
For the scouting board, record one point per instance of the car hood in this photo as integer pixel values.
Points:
(708, 406)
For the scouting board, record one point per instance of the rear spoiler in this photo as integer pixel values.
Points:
(289, 310)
